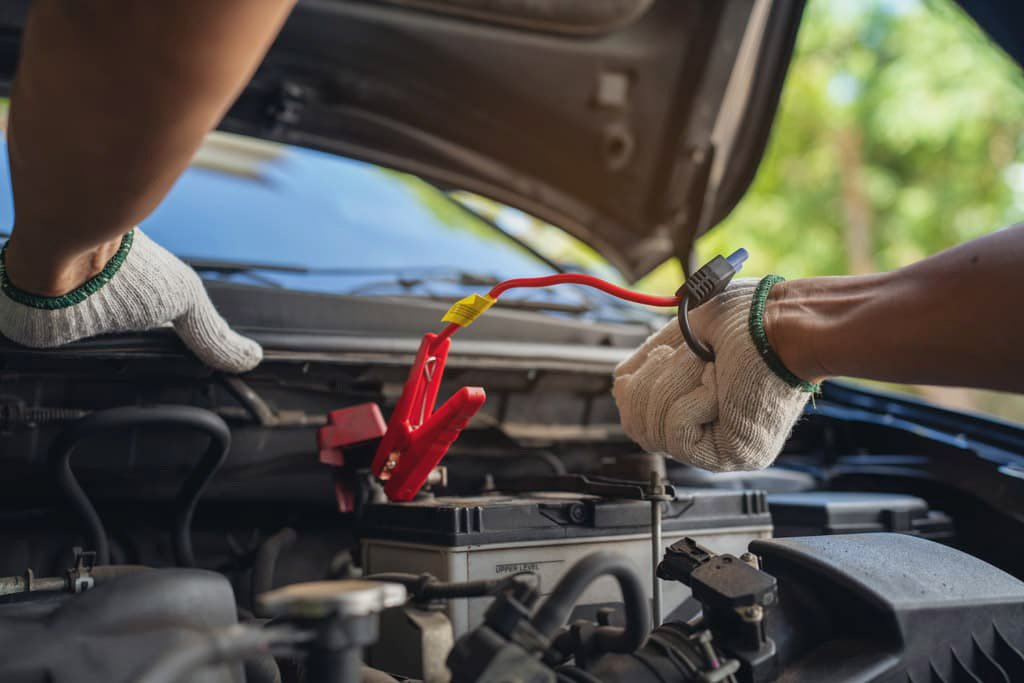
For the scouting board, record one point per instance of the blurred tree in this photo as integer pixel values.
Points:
(900, 133)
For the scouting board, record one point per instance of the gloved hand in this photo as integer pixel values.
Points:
(142, 287)
(734, 413)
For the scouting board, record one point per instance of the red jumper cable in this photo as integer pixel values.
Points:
(417, 436)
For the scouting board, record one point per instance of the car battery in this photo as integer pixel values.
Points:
(486, 537)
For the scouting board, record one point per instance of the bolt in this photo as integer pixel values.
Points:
(577, 513)
(754, 613)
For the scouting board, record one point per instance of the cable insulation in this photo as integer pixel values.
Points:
(589, 281)
(572, 279)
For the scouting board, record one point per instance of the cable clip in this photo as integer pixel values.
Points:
(710, 280)
(417, 437)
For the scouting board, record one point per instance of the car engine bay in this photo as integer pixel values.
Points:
(163, 522)
(168, 523)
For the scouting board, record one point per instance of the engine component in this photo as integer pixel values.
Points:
(870, 608)
(234, 644)
(590, 485)
(816, 513)
(262, 579)
(560, 603)
(507, 641)
(112, 632)
(136, 417)
(419, 634)
(341, 615)
(77, 579)
(511, 638)
(734, 596)
(15, 413)
(418, 638)
(771, 480)
(879, 607)
(490, 537)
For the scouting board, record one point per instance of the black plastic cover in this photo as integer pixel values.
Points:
(507, 519)
(112, 633)
(891, 607)
(813, 513)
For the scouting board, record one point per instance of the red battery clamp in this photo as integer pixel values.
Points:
(416, 438)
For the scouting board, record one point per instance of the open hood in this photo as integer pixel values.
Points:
(634, 124)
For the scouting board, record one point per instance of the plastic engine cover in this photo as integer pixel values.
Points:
(115, 631)
(892, 607)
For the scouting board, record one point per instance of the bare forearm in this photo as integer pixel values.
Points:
(111, 100)
(956, 318)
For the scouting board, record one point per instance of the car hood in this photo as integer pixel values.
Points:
(633, 124)
(636, 125)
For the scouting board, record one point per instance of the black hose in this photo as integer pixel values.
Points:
(560, 603)
(266, 562)
(424, 587)
(133, 417)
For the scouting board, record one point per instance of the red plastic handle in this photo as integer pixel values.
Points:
(417, 438)
(431, 441)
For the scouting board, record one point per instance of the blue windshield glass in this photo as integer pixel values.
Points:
(253, 202)
(245, 206)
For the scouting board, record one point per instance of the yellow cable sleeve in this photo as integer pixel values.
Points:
(465, 311)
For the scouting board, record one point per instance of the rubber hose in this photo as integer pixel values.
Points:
(266, 562)
(560, 603)
(426, 587)
(134, 417)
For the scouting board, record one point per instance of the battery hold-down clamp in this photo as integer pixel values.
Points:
(417, 436)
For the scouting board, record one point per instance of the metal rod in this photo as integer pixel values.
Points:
(10, 585)
(656, 549)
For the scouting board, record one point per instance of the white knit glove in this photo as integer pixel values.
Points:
(734, 413)
(142, 287)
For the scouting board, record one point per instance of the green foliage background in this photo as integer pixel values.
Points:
(900, 133)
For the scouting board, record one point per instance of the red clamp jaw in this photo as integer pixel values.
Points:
(347, 427)
(417, 437)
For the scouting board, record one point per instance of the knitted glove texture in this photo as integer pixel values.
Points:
(733, 413)
(144, 286)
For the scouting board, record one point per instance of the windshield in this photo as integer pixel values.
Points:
(268, 214)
